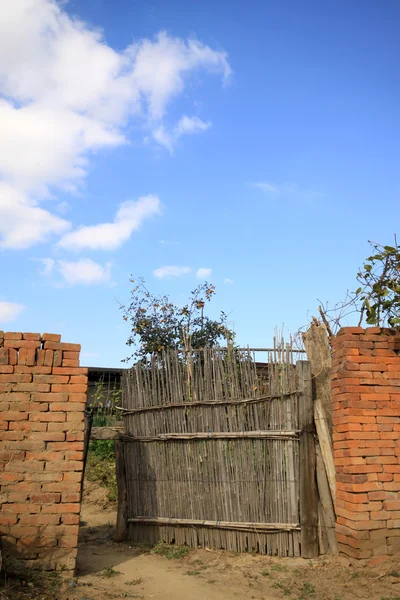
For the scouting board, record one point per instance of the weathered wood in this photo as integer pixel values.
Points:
(88, 429)
(316, 342)
(234, 525)
(216, 435)
(229, 402)
(122, 511)
(308, 487)
(327, 511)
(106, 433)
(210, 439)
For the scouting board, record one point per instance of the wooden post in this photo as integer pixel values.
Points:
(316, 342)
(122, 511)
(88, 429)
(308, 486)
(327, 525)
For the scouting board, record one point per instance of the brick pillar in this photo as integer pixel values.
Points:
(366, 430)
(42, 404)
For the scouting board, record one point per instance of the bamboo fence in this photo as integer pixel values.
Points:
(211, 448)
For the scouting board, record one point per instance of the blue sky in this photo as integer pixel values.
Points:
(257, 140)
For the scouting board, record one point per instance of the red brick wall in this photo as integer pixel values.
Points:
(366, 430)
(42, 403)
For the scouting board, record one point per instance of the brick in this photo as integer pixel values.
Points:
(72, 476)
(12, 356)
(24, 466)
(70, 519)
(59, 446)
(27, 426)
(69, 388)
(46, 498)
(13, 416)
(391, 505)
(45, 397)
(26, 507)
(4, 356)
(75, 416)
(31, 387)
(35, 370)
(40, 519)
(11, 435)
(68, 487)
(71, 355)
(31, 336)
(75, 437)
(48, 357)
(51, 337)
(45, 455)
(6, 455)
(48, 416)
(43, 477)
(51, 379)
(57, 358)
(62, 508)
(62, 346)
(70, 363)
(17, 344)
(393, 524)
(70, 370)
(71, 497)
(64, 465)
(352, 516)
(26, 445)
(6, 368)
(68, 407)
(80, 397)
(50, 436)
(12, 335)
(349, 331)
(15, 378)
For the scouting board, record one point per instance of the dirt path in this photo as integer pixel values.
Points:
(109, 570)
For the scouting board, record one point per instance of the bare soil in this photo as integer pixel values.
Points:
(107, 570)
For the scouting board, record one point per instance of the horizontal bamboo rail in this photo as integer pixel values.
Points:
(215, 435)
(133, 411)
(239, 526)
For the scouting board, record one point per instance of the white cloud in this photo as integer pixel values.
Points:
(186, 125)
(288, 189)
(48, 266)
(9, 311)
(66, 94)
(109, 236)
(84, 272)
(24, 223)
(191, 125)
(203, 273)
(168, 243)
(228, 281)
(170, 271)
(266, 187)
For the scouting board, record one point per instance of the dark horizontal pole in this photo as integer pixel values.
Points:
(239, 526)
(227, 402)
(216, 435)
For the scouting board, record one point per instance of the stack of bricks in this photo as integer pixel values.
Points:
(366, 431)
(42, 404)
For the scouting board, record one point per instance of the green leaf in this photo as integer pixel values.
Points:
(371, 320)
(394, 321)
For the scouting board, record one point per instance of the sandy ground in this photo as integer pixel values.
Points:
(110, 570)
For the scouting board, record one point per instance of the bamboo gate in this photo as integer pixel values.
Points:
(217, 452)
